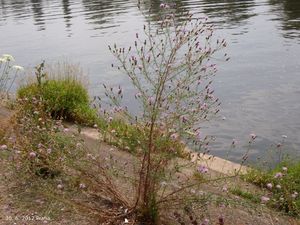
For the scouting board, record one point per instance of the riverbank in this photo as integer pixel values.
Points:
(222, 202)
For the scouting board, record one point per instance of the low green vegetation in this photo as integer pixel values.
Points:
(283, 185)
(66, 99)
(245, 194)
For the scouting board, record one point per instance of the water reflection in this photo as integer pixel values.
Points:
(288, 13)
(38, 14)
(67, 13)
(178, 8)
(229, 13)
(101, 13)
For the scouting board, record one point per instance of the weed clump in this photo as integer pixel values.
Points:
(283, 185)
(63, 98)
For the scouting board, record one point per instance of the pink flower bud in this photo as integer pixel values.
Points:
(32, 155)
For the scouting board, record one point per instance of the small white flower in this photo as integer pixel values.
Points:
(60, 186)
(278, 186)
(95, 125)
(284, 136)
(284, 169)
(126, 221)
(8, 57)
(18, 68)
(3, 60)
(163, 183)
(82, 186)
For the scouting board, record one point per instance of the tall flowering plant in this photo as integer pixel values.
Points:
(170, 67)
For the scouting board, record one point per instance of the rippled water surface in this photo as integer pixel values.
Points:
(259, 86)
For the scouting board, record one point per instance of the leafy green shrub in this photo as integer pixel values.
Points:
(66, 98)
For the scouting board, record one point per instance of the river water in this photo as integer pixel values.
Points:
(258, 87)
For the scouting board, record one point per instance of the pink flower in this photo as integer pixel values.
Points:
(225, 189)
(3, 147)
(82, 186)
(138, 95)
(164, 6)
(202, 169)
(269, 186)
(233, 142)
(264, 199)
(278, 175)
(32, 154)
(198, 135)
(151, 100)
(183, 119)
(78, 145)
(174, 136)
(295, 194)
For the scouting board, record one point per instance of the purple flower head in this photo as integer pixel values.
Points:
(278, 175)
(164, 6)
(253, 136)
(202, 169)
(3, 147)
(198, 135)
(269, 186)
(32, 155)
(203, 106)
(174, 136)
(264, 199)
(205, 222)
(82, 186)
(183, 119)
(295, 194)
(138, 95)
(151, 100)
